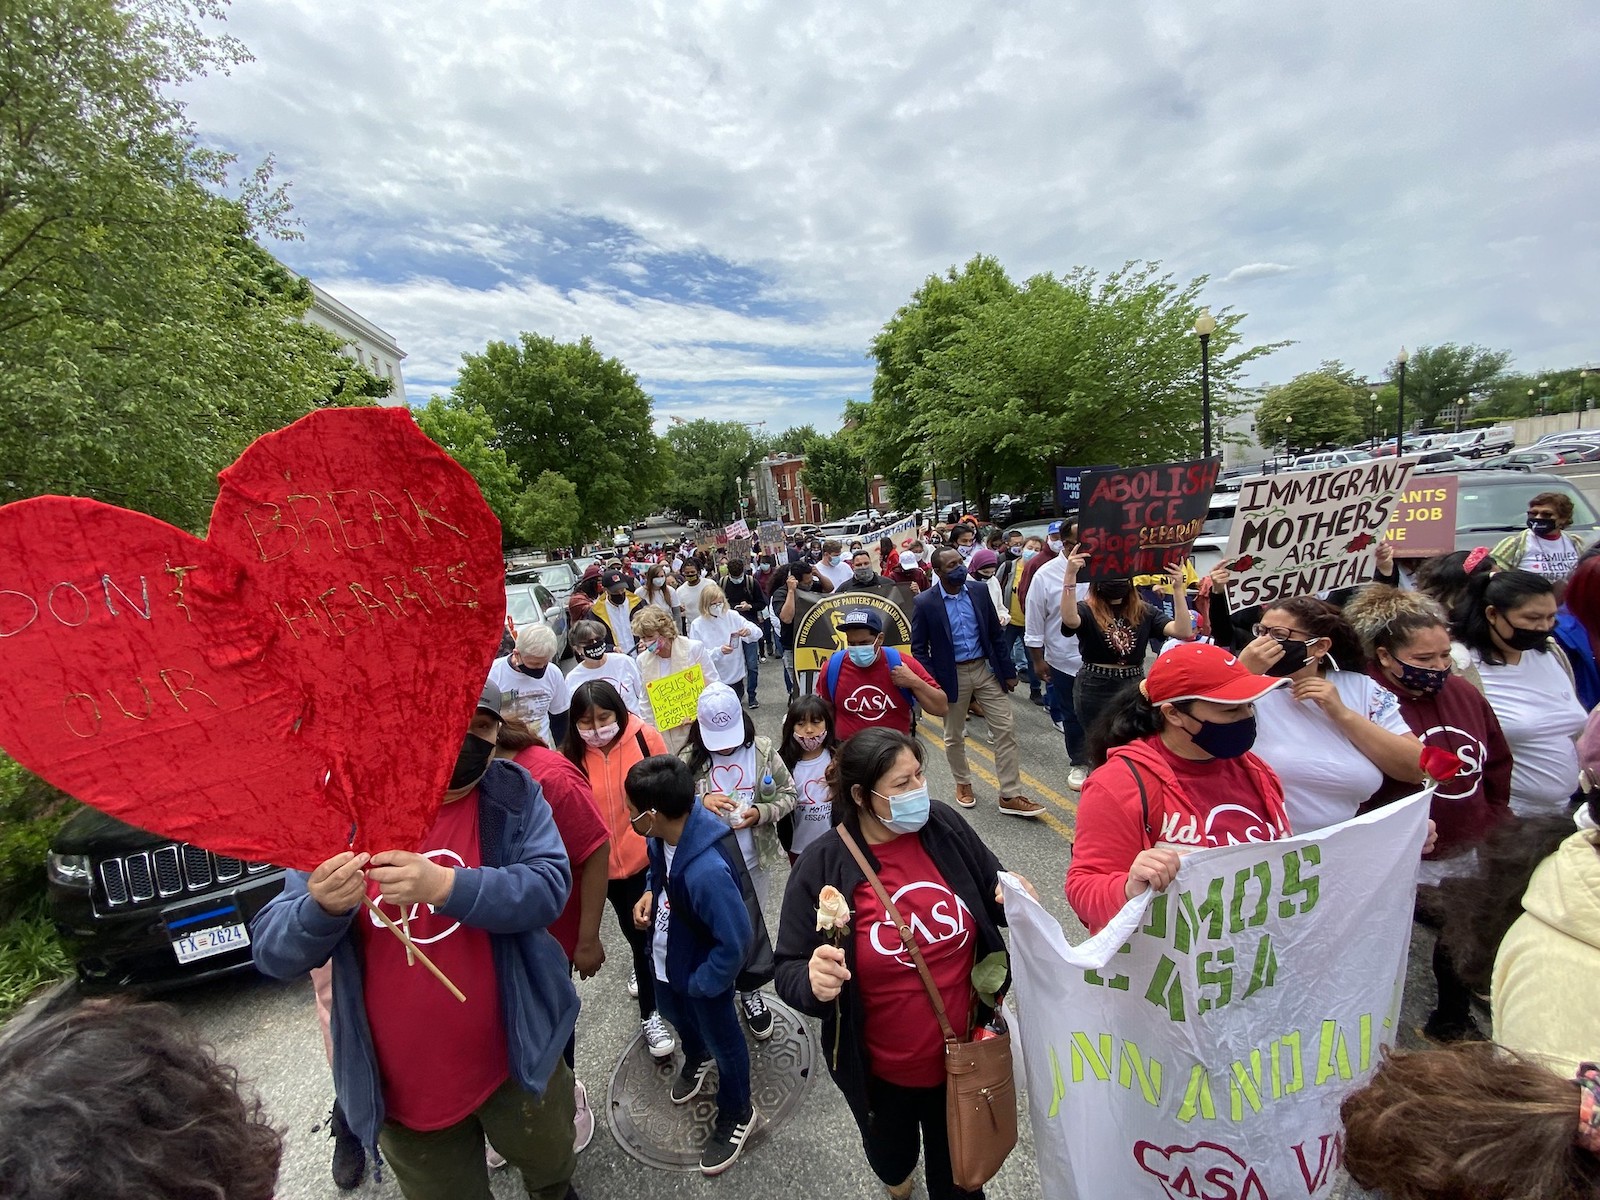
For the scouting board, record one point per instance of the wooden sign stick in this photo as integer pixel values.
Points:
(413, 947)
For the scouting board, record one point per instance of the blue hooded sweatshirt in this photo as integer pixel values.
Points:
(708, 935)
(520, 889)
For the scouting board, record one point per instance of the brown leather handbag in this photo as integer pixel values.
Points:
(980, 1093)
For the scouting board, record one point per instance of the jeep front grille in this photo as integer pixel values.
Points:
(175, 869)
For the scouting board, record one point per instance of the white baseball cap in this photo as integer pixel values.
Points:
(908, 560)
(721, 718)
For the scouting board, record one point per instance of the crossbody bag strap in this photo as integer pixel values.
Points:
(1144, 796)
(904, 931)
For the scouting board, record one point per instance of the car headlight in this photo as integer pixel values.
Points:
(69, 869)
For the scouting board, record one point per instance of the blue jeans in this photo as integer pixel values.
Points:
(1020, 658)
(752, 666)
(1061, 688)
(709, 1028)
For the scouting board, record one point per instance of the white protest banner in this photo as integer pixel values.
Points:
(739, 529)
(901, 533)
(1199, 1047)
(1301, 533)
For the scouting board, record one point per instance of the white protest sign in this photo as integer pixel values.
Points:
(901, 533)
(1301, 533)
(739, 529)
(1199, 1047)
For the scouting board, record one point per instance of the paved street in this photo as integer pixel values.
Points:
(269, 1030)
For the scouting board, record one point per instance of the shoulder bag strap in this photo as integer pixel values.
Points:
(904, 931)
(1144, 796)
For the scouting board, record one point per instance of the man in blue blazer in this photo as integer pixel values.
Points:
(955, 634)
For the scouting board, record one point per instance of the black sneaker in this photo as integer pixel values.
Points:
(1442, 1029)
(754, 703)
(686, 1084)
(727, 1140)
(349, 1158)
(756, 1015)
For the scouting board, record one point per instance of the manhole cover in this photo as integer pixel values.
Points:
(654, 1130)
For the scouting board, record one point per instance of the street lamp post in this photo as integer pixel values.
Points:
(1288, 437)
(1400, 409)
(1544, 395)
(1532, 406)
(1461, 412)
(1372, 421)
(1583, 389)
(1205, 325)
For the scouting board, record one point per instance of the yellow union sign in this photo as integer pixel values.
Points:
(674, 697)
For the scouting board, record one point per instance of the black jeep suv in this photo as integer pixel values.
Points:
(144, 911)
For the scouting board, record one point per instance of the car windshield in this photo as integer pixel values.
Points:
(522, 606)
(1490, 506)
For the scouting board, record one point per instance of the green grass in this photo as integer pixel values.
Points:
(31, 957)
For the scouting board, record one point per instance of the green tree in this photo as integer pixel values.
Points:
(1000, 382)
(145, 338)
(1310, 411)
(562, 406)
(1437, 377)
(709, 461)
(548, 514)
(836, 474)
(466, 434)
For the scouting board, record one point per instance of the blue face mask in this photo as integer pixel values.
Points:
(863, 656)
(956, 577)
(908, 811)
(1027, 555)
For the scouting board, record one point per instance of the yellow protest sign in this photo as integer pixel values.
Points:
(674, 697)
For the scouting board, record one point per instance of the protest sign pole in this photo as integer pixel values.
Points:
(413, 948)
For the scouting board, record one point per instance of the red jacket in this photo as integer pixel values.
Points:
(1112, 829)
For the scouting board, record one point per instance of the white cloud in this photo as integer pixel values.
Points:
(465, 172)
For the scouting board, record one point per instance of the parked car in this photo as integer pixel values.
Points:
(1480, 443)
(530, 602)
(1540, 458)
(1328, 458)
(1436, 462)
(1008, 510)
(142, 911)
(1574, 452)
(1491, 504)
(1572, 435)
(560, 575)
(1212, 543)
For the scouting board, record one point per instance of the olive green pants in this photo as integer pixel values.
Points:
(533, 1135)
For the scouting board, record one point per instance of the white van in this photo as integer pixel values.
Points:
(1480, 443)
(1329, 458)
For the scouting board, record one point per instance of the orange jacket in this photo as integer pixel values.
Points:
(606, 770)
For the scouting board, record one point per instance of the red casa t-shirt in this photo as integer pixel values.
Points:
(868, 698)
(1222, 789)
(905, 1045)
(578, 821)
(438, 1059)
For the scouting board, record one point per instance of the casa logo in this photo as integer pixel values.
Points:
(425, 929)
(1204, 1171)
(939, 922)
(868, 703)
(720, 719)
(1469, 750)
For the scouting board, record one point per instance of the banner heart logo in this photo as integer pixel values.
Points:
(296, 683)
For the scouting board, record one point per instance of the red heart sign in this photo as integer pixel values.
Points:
(297, 683)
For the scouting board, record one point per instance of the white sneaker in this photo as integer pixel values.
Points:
(1075, 778)
(658, 1037)
(1060, 728)
(493, 1157)
(582, 1118)
(633, 984)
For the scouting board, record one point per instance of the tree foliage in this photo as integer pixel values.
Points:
(836, 473)
(999, 382)
(548, 514)
(709, 462)
(563, 407)
(465, 432)
(1437, 377)
(145, 338)
(1310, 411)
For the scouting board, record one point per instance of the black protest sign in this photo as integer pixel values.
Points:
(1142, 520)
(816, 630)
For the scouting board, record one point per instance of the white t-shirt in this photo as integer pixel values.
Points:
(1042, 609)
(734, 775)
(1325, 777)
(621, 672)
(716, 632)
(1554, 558)
(621, 618)
(658, 947)
(812, 811)
(531, 699)
(1540, 716)
(687, 597)
(839, 574)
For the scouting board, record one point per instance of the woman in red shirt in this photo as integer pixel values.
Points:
(880, 1034)
(1174, 774)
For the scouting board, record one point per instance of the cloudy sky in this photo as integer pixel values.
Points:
(733, 197)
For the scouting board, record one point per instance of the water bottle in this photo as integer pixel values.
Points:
(769, 789)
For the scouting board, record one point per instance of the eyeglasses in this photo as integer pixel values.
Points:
(1279, 633)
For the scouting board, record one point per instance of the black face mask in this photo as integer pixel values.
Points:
(1524, 639)
(535, 672)
(595, 652)
(1294, 657)
(1543, 526)
(472, 762)
(863, 574)
(618, 596)
(1114, 592)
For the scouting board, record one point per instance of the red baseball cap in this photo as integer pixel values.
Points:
(1200, 671)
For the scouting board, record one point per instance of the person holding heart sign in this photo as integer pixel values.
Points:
(421, 1074)
(741, 779)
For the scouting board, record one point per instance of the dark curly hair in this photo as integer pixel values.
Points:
(120, 1101)
(1323, 620)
